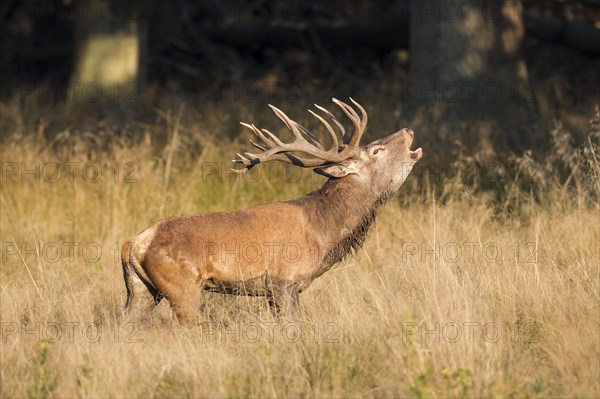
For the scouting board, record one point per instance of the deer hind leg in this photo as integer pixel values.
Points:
(284, 299)
(183, 292)
(141, 297)
(186, 303)
(179, 282)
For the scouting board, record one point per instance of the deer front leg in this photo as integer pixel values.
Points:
(283, 299)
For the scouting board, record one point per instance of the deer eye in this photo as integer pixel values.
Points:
(376, 150)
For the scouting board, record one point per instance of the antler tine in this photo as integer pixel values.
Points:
(259, 146)
(258, 134)
(274, 138)
(291, 125)
(354, 139)
(296, 128)
(311, 136)
(334, 140)
(334, 119)
(365, 117)
(243, 160)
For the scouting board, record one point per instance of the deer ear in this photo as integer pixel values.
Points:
(338, 170)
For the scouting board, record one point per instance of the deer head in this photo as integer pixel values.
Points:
(382, 165)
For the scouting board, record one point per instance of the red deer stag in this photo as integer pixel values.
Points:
(276, 249)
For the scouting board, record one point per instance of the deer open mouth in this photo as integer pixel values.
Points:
(417, 154)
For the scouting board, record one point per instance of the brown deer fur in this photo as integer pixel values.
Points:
(275, 249)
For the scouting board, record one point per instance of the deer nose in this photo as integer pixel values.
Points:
(410, 132)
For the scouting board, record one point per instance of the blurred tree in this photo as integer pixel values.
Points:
(467, 72)
(110, 43)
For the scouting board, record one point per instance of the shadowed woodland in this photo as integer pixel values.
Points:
(518, 65)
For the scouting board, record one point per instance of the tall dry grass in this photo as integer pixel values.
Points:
(458, 291)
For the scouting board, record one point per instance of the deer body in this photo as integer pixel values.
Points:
(276, 249)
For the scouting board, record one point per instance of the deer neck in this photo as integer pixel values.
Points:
(342, 212)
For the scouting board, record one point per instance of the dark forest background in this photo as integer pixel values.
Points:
(494, 75)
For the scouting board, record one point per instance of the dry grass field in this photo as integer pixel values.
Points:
(458, 292)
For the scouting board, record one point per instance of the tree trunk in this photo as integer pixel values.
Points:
(109, 57)
(467, 78)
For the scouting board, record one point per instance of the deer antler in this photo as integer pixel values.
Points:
(273, 149)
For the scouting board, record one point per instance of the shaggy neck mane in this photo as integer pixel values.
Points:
(344, 212)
